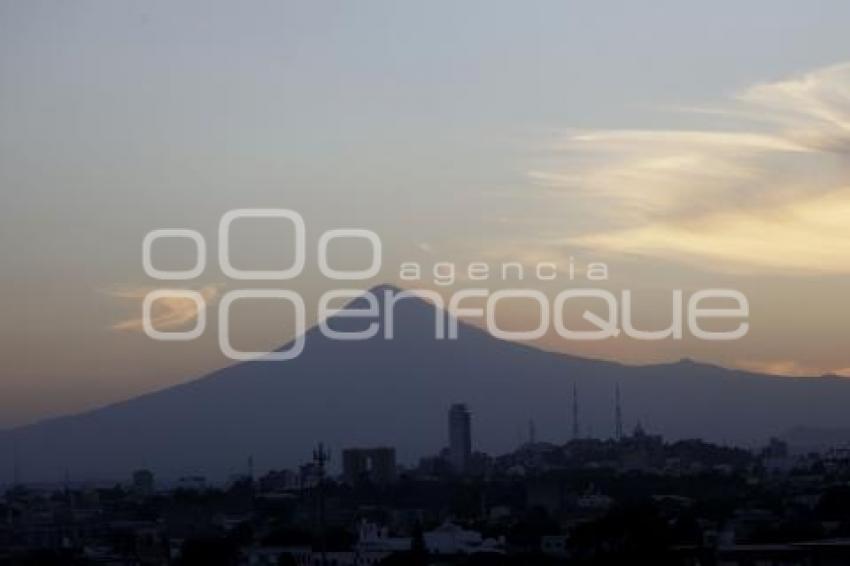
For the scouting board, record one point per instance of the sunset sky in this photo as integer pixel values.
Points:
(685, 146)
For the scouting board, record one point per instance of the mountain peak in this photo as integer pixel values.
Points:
(385, 291)
(395, 390)
(381, 288)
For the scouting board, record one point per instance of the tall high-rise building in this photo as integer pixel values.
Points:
(460, 438)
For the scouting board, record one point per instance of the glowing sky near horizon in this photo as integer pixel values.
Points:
(685, 146)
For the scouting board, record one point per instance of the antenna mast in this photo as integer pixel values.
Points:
(320, 458)
(575, 412)
(618, 414)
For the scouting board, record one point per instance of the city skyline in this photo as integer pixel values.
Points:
(481, 283)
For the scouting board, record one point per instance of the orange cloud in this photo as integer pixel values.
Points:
(788, 368)
(167, 313)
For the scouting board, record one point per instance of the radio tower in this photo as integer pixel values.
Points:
(320, 458)
(618, 414)
(575, 412)
(16, 467)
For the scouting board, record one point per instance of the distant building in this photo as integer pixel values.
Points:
(308, 475)
(554, 546)
(143, 483)
(447, 539)
(192, 483)
(435, 466)
(279, 480)
(376, 465)
(451, 539)
(775, 457)
(460, 438)
(641, 451)
(374, 544)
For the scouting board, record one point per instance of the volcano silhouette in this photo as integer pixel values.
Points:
(397, 393)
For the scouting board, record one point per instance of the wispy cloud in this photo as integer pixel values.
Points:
(808, 235)
(789, 368)
(773, 194)
(168, 313)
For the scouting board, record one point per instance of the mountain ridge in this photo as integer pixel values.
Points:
(397, 392)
